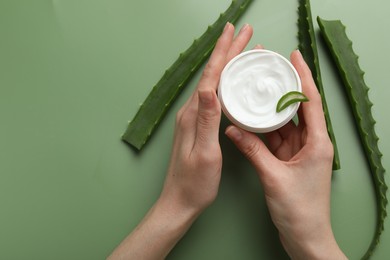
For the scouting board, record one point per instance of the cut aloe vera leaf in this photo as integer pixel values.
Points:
(290, 98)
(176, 76)
(340, 46)
(308, 48)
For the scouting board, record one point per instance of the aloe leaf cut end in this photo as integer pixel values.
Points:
(290, 98)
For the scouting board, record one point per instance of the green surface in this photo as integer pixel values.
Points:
(72, 73)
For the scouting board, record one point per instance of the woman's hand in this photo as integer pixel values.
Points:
(195, 168)
(194, 172)
(295, 171)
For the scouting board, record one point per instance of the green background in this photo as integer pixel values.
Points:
(72, 73)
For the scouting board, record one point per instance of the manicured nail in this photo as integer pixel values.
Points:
(234, 133)
(258, 46)
(205, 96)
(299, 52)
(227, 26)
(244, 27)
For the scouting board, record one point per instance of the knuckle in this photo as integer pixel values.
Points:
(210, 158)
(179, 118)
(210, 71)
(328, 151)
(207, 117)
(324, 150)
(184, 117)
(251, 150)
(181, 123)
(179, 115)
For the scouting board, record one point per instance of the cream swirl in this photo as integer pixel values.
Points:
(250, 87)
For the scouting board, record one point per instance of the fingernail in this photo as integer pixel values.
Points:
(234, 133)
(258, 46)
(226, 26)
(205, 96)
(244, 27)
(299, 52)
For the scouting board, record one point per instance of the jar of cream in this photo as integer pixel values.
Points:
(250, 87)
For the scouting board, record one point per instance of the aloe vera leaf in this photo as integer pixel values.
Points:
(290, 98)
(176, 76)
(308, 48)
(334, 33)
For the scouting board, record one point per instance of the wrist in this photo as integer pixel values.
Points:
(159, 231)
(315, 244)
(179, 203)
(174, 216)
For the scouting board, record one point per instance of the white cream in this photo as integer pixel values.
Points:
(251, 85)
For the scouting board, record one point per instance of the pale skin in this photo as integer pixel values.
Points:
(294, 169)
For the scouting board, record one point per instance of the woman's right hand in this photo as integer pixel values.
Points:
(295, 171)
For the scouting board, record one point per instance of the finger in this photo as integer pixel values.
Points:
(301, 118)
(312, 112)
(214, 67)
(274, 140)
(287, 129)
(208, 120)
(225, 49)
(217, 62)
(185, 128)
(192, 102)
(240, 41)
(252, 148)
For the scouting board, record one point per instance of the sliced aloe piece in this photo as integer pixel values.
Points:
(308, 48)
(290, 98)
(346, 60)
(175, 78)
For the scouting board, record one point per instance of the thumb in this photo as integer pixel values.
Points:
(208, 120)
(253, 148)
